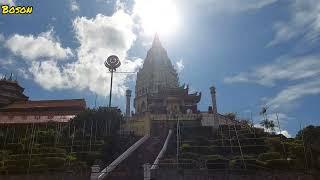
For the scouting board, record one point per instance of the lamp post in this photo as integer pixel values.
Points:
(112, 63)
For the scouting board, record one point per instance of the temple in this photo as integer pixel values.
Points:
(16, 108)
(160, 101)
(157, 86)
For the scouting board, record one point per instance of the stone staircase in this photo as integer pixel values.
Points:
(132, 167)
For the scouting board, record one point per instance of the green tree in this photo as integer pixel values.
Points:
(268, 124)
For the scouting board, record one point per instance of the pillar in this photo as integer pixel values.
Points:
(128, 95)
(213, 99)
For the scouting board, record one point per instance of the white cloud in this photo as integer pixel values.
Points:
(277, 131)
(34, 47)
(285, 133)
(304, 22)
(74, 5)
(289, 95)
(282, 69)
(99, 37)
(7, 61)
(7, 2)
(179, 66)
(233, 6)
(303, 71)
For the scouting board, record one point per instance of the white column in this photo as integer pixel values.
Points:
(213, 99)
(128, 95)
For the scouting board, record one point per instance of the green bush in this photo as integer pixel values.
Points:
(213, 157)
(89, 157)
(244, 157)
(296, 151)
(282, 164)
(4, 155)
(54, 162)
(269, 156)
(39, 168)
(190, 155)
(51, 150)
(14, 147)
(18, 163)
(185, 147)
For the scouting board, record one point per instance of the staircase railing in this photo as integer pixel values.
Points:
(102, 174)
(163, 150)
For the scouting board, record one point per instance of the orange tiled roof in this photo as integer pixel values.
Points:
(79, 103)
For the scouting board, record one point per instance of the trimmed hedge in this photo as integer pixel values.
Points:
(15, 147)
(190, 155)
(213, 157)
(282, 164)
(269, 156)
(54, 162)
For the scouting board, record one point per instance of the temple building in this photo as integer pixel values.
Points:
(157, 87)
(16, 108)
(160, 101)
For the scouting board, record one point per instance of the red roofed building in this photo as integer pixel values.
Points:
(15, 108)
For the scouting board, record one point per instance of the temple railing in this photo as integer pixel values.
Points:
(163, 150)
(102, 174)
(175, 117)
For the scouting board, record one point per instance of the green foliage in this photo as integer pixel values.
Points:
(281, 164)
(268, 124)
(190, 155)
(275, 144)
(185, 147)
(231, 115)
(296, 151)
(104, 121)
(244, 157)
(15, 147)
(54, 162)
(213, 157)
(269, 156)
(51, 150)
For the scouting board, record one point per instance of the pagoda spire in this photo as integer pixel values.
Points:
(156, 42)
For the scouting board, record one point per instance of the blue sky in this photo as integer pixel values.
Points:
(256, 52)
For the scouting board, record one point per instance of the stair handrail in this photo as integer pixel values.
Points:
(102, 174)
(163, 150)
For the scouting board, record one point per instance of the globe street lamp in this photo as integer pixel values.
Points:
(112, 63)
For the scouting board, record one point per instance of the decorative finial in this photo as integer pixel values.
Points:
(10, 78)
(156, 42)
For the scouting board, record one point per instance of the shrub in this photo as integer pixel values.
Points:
(296, 151)
(185, 147)
(39, 168)
(269, 156)
(190, 155)
(18, 163)
(278, 164)
(54, 162)
(244, 157)
(14, 147)
(89, 157)
(51, 150)
(213, 157)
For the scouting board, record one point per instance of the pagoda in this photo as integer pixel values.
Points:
(10, 91)
(157, 86)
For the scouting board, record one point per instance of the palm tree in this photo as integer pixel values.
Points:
(268, 124)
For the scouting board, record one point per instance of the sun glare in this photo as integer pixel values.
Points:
(157, 16)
